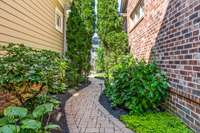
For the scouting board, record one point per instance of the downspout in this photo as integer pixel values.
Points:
(65, 29)
(66, 16)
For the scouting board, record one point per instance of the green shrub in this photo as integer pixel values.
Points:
(113, 39)
(19, 120)
(79, 38)
(22, 67)
(40, 99)
(136, 85)
(100, 62)
(155, 123)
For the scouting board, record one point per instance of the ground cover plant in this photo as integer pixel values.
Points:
(162, 122)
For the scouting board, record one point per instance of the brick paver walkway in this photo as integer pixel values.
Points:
(85, 114)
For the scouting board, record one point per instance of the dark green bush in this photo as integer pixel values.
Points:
(22, 67)
(136, 85)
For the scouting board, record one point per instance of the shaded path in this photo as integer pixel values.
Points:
(85, 114)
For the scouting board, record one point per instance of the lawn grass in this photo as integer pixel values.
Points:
(155, 123)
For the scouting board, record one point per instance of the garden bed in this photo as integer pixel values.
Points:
(58, 116)
(116, 112)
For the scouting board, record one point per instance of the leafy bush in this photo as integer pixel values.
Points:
(155, 123)
(23, 69)
(136, 85)
(32, 103)
(19, 120)
(100, 62)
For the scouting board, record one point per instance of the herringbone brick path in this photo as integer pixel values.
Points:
(85, 114)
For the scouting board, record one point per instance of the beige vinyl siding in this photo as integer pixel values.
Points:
(31, 22)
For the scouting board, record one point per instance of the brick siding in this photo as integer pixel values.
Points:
(169, 33)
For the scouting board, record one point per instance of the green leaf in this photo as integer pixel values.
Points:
(4, 121)
(52, 126)
(31, 124)
(41, 110)
(15, 112)
(9, 129)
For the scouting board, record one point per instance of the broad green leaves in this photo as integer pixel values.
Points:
(136, 86)
(19, 120)
(9, 129)
(15, 112)
(41, 110)
(31, 124)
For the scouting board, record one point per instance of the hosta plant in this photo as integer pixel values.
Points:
(24, 70)
(19, 120)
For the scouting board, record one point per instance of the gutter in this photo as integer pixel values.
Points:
(64, 30)
(66, 15)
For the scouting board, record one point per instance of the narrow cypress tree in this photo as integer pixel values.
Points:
(113, 39)
(79, 35)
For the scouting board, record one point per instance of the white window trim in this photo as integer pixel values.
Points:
(132, 23)
(58, 12)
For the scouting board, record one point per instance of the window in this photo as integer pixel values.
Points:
(59, 20)
(138, 13)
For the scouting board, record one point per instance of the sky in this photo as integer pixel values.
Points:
(119, 1)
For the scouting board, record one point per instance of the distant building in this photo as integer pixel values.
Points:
(95, 46)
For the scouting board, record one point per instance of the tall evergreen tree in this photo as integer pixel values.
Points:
(110, 29)
(79, 35)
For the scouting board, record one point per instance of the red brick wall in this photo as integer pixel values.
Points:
(169, 33)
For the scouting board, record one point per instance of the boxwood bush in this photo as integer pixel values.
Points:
(136, 85)
(23, 68)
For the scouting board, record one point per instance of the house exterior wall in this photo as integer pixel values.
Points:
(31, 22)
(169, 33)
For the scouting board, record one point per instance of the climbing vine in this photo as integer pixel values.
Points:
(79, 36)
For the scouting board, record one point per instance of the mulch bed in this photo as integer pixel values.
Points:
(116, 112)
(58, 116)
